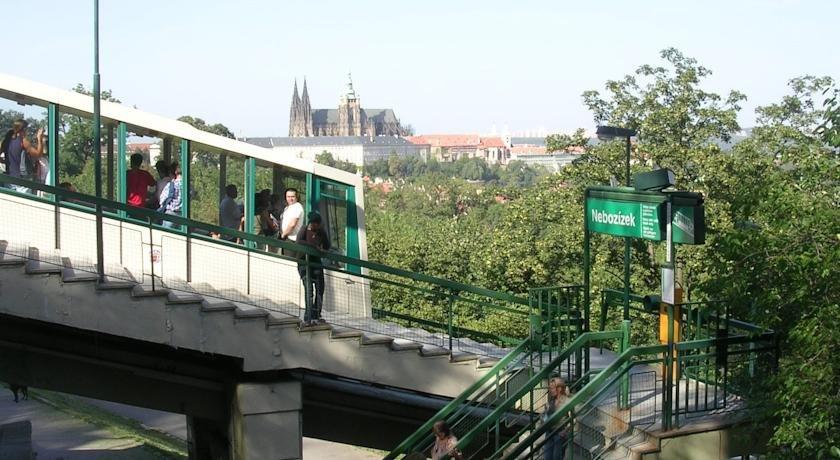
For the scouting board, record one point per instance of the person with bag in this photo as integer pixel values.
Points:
(19, 155)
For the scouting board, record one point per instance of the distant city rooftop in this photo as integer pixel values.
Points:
(271, 142)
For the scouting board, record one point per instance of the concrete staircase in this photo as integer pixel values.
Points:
(265, 334)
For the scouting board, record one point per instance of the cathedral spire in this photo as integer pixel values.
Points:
(295, 97)
(351, 93)
(306, 111)
(295, 114)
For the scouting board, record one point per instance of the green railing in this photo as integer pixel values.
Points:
(610, 405)
(474, 399)
(451, 315)
(523, 404)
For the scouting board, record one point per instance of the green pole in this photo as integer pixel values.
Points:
(185, 178)
(586, 262)
(97, 144)
(625, 379)
(627, 243)
(52, 130)
(250, 190)
(122, 189)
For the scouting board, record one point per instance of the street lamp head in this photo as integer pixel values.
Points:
(612, 132)
(656, 180)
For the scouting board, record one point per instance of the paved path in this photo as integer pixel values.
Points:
(176, 425)
(58, 436)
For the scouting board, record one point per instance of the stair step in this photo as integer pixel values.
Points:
(8, 258)
(316, 327)
(375, 339)
(405, 344)
(250, 313)
(282, 320)
(36, 267)
(73, 274)
(461, 356)
(181, 298)
(114, 284)
(433, 350)
(145, 290)
(340, 332)
(217, 306)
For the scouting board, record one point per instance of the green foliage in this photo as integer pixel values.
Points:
(565, 142)
(326, 158)
(515, 174)
(772, 215)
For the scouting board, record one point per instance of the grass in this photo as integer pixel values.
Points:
(156, 443)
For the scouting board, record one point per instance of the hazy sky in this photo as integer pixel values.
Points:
(443, 66)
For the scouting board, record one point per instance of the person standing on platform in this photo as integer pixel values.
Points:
(314, 236)
(229, 213)
(138, 182)
(170, 198)
(19, 155)
(292, 219)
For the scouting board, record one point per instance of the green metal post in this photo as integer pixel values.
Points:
(97, 145)
(52, 131)
(250, 190)
(122, 188)
(586, 264)
(185, 178)
(625, 379)
(109, 158)
(449, 317)
(186, 195)
(311, 194)
(667, 398)
(627, 245)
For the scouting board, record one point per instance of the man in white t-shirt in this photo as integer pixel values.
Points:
(229, 213)
(292, 219)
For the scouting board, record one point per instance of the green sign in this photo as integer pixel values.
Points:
(624, 218)
(688, 225)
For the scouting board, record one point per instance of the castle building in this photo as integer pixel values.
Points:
(350, 119)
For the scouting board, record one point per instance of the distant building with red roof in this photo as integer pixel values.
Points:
(452, 147)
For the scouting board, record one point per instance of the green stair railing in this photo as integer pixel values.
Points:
(556, 319)
(522, 406)
(474, 399)
(647, 387)
(589, 416)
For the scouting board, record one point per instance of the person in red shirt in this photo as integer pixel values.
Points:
(139, 181)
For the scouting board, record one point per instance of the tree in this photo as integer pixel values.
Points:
(565, 142)
(772, 214)
(326, 158)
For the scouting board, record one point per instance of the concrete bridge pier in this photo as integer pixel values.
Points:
(264, 422)
(267, 421)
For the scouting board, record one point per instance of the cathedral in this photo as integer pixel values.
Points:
(350, 119)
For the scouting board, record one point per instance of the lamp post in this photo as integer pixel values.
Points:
(97, 144)
(611, 132)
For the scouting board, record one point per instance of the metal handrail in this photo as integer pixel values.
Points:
(494, 373)
(535, 380)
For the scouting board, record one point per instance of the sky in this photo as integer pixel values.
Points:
(443, 66)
